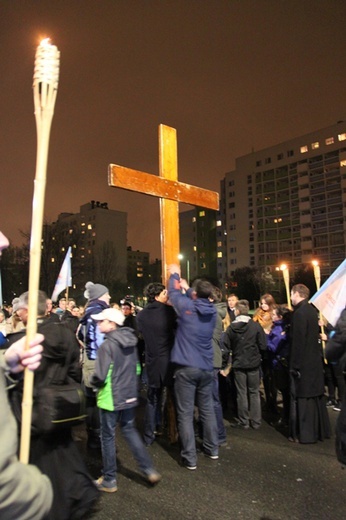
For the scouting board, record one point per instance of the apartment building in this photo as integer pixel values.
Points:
(286, 204)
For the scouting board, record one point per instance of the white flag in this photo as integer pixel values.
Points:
(331, 298)
(65, 278)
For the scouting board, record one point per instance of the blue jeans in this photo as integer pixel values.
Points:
(126, 420)
(195, 385)
(152, 413)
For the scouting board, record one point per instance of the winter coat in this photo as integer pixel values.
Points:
(336, 344)
(115, 370)
(196, 322)
(246, 341)
(306, 360)
(89, 333)
(278, 346)
(59, 348)
(157, 325)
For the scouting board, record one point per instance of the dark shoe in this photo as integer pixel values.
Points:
(330, 403)
(187, 465)
(109, 486)
(223, 444)
(154, 477)
(293, 439)
(281, 423)
(239, 426)
(210, 456)
(94, 443)
(191, 468)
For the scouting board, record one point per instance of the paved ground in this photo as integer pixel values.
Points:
(259, 476)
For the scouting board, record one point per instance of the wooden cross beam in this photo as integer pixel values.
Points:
(168, 189)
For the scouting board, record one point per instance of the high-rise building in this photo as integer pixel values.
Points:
(197, 229)
(286, 204)
(137, 270)
(98, 236)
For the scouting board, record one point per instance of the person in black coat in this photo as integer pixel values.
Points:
(156, 323)
(309, 421)
(246, 342)
(336, 352)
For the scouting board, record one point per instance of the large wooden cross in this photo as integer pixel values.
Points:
(168, 189)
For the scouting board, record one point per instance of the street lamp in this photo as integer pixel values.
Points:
(181, 257)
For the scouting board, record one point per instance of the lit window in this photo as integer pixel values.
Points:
(315, 145)
(303, 149)
(82, 224)
(70, 231)
(90, 226)
(218, 223)
(219, 244)
(330, 140)
(219, 254)
(343, 163)
(342, 137)
(201, 213)
(52, 260)
(193, 219)
(195, 248)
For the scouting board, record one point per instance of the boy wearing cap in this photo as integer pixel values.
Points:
(115, 377)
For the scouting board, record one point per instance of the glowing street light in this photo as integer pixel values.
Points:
(181, 257)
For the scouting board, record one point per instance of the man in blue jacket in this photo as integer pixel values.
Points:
(192, 355)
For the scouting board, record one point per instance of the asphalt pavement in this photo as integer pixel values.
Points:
(260, 475)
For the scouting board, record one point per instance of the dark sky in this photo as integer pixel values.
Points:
(229, 75)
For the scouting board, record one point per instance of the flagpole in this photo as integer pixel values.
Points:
(45, 85)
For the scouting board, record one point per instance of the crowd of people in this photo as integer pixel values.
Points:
(193, 354)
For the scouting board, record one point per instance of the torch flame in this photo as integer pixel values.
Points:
(45, 41)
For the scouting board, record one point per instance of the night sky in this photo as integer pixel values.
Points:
(231, 76)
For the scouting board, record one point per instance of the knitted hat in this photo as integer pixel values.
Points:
(110, 314)
(94, 290)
